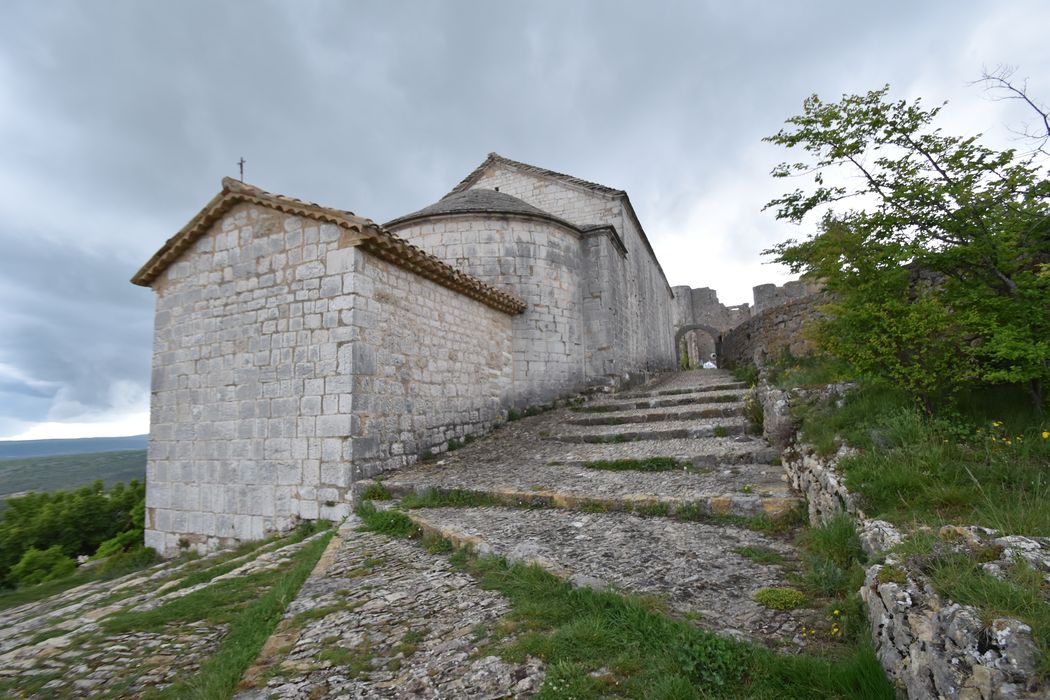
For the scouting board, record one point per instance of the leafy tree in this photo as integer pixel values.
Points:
(935, 248)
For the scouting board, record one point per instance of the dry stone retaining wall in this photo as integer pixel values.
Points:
(932, 647)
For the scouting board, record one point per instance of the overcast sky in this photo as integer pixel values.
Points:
(118, 120)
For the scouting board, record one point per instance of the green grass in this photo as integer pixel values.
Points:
(376, 492)
(249, 629)
(453, 498)
(780, 598)
(651, 464)
(832, 572)
(761, 555)
(1021, 595)
(748, 374)
(388, 522)
(983, 464)
(955, 569)
(70, 471)
(646, 654)
(789, 372)
(755, 414)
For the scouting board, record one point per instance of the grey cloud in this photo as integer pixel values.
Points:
(127, 114)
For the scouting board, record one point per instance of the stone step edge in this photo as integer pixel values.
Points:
(284, 635)
(742, 505)
(654, 433)
(475, 544)
(656, 402)
(611, 417)
(759, 457)
(725, 386)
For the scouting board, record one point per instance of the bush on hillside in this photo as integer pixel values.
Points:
(77, 522)
(37, 566)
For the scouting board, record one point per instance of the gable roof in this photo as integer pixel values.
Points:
(496, 159)
(480, 201)
(367, 234)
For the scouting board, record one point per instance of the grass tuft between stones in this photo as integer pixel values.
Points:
(780, 598)
(652, 464)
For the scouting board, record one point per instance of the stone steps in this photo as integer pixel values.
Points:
(722, 382)
(654, 415)
(690, 399)
(745, 490)
(669, 430)
(694, 566)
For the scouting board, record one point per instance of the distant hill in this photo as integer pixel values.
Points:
(69, 471)
(10, 449)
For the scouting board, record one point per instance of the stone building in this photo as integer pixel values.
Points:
(298, 348)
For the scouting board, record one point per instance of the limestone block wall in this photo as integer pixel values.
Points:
(575, 205)
(636, 303)
(538, 260)
(603, 266)
(285, 366)
(769, 333)
(436, 366)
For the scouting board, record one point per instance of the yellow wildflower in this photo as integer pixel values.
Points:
(1046, 434)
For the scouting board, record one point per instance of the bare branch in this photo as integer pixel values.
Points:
(1002, 86)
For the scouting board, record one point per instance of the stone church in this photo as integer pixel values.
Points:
(298, 348)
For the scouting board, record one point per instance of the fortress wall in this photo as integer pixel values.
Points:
(264, 330)
(539, 261)
(768, 334)
(768, 296)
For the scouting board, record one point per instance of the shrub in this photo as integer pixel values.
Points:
(37, 566)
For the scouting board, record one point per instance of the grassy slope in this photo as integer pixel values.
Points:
(70, 471)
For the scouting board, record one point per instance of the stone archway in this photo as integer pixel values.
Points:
(680, 344)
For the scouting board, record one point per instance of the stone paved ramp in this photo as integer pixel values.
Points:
(693, 566)
(386, 619)
(59, 647)
(588, 525)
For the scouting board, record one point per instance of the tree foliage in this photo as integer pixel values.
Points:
(76, 522)
(936, 248)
